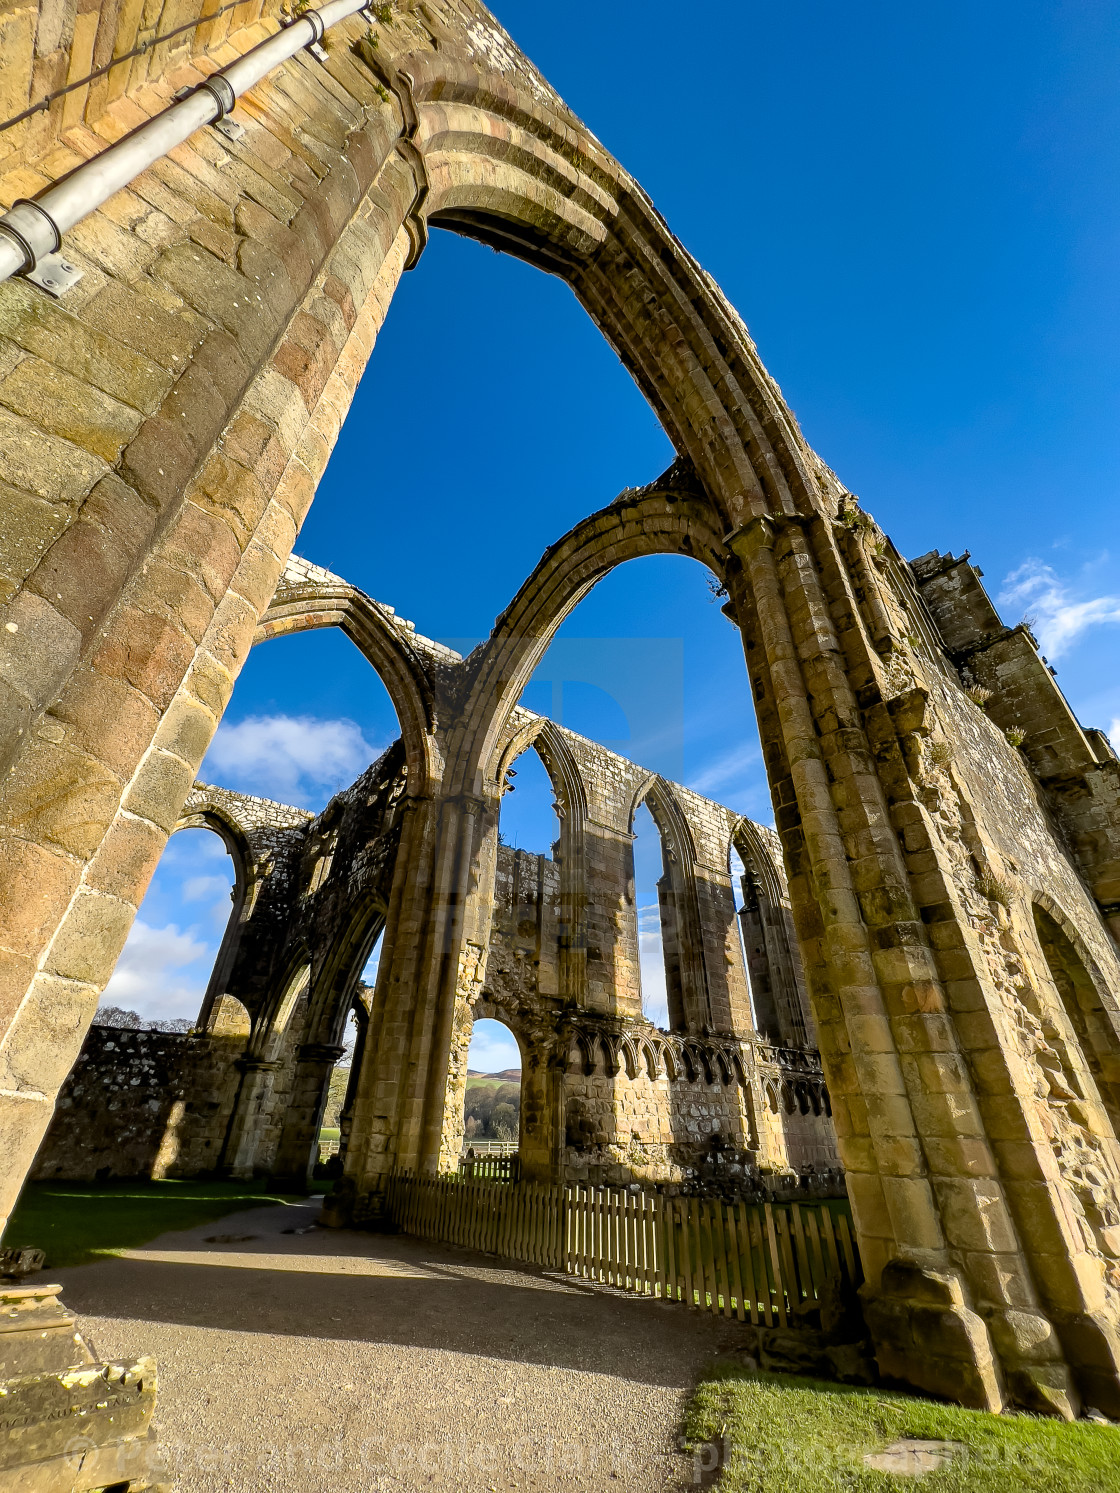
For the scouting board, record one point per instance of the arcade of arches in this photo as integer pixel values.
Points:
(937, 913)
(607, 1095)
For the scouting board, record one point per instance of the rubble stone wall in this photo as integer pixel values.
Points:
(142, 1104)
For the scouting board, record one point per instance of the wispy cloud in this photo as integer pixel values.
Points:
(162, 972)
(291, 757)
(729, 769)
(203, 888)
(1060, 615)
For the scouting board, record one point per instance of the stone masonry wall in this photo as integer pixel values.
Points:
(142, 1104)
(163, 430)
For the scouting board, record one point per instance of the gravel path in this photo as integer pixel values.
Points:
(331, 1361)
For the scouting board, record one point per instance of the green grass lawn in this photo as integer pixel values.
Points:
(773, 1433)
(75, 1222)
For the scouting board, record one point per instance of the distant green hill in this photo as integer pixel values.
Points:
(492, 1080)
(492, 1107)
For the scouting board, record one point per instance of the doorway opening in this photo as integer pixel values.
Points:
(492, 1104)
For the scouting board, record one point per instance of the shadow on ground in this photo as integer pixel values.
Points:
(342, 1360)
(245, 1274)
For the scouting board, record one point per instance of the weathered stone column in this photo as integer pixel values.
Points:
(436, 940)
(895, 1210)
(938, 1151)
(303, 1117)
(250, 1115)
(614, 985)
(542, 1117)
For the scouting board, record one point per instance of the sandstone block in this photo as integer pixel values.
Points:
(159, 788)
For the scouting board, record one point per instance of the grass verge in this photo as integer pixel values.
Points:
(773, 1433)
(75, 1222)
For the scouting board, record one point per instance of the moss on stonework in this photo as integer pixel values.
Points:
(773, 1433)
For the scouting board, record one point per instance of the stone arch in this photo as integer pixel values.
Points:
(585, 1052)
(777, 977)
(686, 976)
(543, 1064)
(361, 1014)
(477, 141)
(274, 1024)
(205, 810)
(509, 165)
(306, 600)
(264, 1057)
(1085, 998)
(192, 530)
(337, 968)
(609, 1046)
(671, 516)
(335, 959)
(651, 1058)
(571, 809)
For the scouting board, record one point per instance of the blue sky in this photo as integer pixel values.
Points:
(916, 210)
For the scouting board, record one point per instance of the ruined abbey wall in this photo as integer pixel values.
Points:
(142, 1104)
(951, 857)
(607, 1096)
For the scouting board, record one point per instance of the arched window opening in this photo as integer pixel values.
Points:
(528, 812)
(775, 979)
(751, 944)
(368, 977)
(648, 666)
(1081, 999)
(342, 1085)
(758, 946)
(492, 1103)
(651, 904)
(308, 714)
(471, 479)
(335, 1128)
(161, 976)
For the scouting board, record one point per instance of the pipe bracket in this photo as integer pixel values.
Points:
(221, 91)
(34, 231)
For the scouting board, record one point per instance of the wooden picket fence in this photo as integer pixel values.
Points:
(766, 1262)
(502, 1168)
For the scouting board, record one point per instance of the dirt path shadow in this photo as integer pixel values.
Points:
(337, 1361)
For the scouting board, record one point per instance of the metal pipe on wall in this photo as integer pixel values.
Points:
(31, 230)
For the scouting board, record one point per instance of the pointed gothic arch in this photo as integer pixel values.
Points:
(135, 662)
(308, 598)
(777, 977)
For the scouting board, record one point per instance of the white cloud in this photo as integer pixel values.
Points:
(200, 888)
(1114, 734)
(292, 758)
(1059, 617)
(162, 972)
